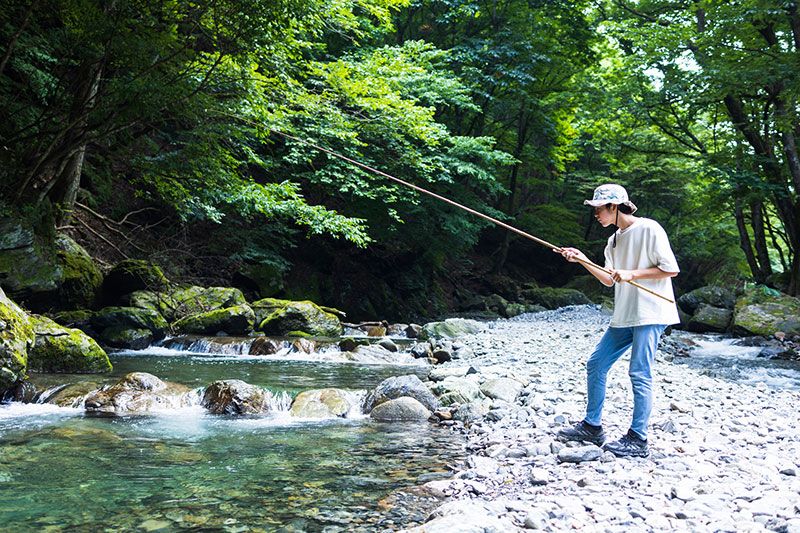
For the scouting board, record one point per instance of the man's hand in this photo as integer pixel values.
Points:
(622, 275)
(573, 255)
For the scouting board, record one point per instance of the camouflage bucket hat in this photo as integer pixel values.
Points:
(610, 193)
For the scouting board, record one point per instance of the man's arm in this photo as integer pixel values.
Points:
(641, 273)
(573, 255)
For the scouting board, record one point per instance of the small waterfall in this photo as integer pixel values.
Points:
(281, 401)
(212, 345)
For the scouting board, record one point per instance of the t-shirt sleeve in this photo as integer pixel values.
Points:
(660, 252)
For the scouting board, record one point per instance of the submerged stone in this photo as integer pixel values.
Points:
(60, 349)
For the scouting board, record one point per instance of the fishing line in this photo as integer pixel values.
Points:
(543, 242)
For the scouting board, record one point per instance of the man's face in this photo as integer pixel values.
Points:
(605, 215)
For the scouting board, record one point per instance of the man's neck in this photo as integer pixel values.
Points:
(624, 221)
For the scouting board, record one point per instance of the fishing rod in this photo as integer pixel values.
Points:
(502, 224)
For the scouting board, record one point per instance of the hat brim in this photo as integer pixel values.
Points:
(598, 203)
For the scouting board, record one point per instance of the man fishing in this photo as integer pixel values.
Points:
(638, 250)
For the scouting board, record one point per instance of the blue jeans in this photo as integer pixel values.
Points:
(643, 341)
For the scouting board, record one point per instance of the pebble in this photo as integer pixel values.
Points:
(723, 454)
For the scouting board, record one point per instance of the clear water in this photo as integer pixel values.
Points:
(720, 357)
(64, 470)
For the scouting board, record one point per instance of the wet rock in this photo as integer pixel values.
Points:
(413, 331)
(71, 395)
(113, 323)
(580, 454)
(442, 355)
(397, 387)
(282, 316)
(348, 344)
(237, 320)
(404, 409)
(505, 389)
(421, 350)
(235, 397)
(60, 349)
(322, 403)
(710, 295)
(763, 311)
(16, 337)
(388, 344)
(710, 319)
(139, 392)
(264, 346)
(372, 354)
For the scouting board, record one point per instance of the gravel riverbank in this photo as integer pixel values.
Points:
(725, 456)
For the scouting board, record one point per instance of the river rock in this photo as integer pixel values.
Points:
(471, 412)
(131, 275)
(322, 403)
(139, 392)
(237, 320)
(182, 302)
(235, 397)
(467, 516)
(264, 346)
(283, 316)
(457, 390)
(404, 409)
(348, 344)
(400, 386)
(580, 454)
(16, 337)
(711, 295)
(710, 319)
(128, 327)
(371, 353)
(71, 395)
(388, 344)
(450, 329)
(60, 349)
(763, 311)
(505, 389)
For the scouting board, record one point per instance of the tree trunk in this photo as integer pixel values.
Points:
(760, 240)
(744, 240)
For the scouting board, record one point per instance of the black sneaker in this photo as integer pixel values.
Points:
(582, 432)
(630, 445)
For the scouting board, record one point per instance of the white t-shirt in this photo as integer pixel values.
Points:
(643, 244)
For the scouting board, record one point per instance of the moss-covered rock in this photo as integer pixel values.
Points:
(186, 301)
(129, 276)
(763, 311)
(553, 297)
(128, 327)
(60, 349)
(591, 288)
(321, 403)
(28, 265)
(236, 320)
(712, 295)
(283, 316)
(450, 329)
(81, 279)
(710, 319)
(266, 280)
(16, 337)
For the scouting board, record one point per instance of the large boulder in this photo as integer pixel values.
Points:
(764, 311)
(128, 327)
(131, 275)
(139, 392)
(235, 397)
(45, 272)
(591, 288)
(397, 387)
(403, 409)
(71, 395)
(237, 320)
(719, 297)
(281, 317)
(16, 338)
(553, 297)
(712, 319)
(375, 353)
(450, 329)
(81, 279)
(322, 403)
(182, 302)
(60, 349)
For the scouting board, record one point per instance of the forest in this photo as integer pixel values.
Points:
(156, 130)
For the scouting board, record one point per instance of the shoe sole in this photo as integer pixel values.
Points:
(640, 455)
(598, 443)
